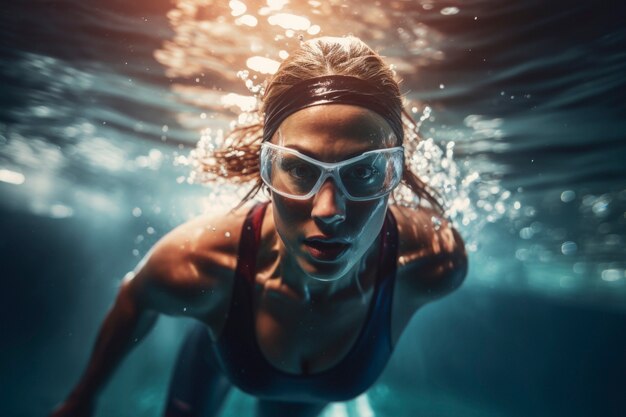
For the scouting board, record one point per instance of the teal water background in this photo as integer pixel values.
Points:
(100, 98)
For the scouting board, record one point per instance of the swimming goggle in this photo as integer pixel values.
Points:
(367, 176)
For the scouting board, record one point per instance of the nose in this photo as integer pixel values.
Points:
(329, 204)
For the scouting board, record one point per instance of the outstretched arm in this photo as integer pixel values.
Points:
(174, 281)
(125, 325)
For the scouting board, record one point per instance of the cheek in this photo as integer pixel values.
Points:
(368, 219)
(289, 215)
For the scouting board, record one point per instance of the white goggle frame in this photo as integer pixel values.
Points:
(330, 170)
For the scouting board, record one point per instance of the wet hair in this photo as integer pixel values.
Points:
(239, 160)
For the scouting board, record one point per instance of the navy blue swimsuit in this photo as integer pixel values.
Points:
(242, 362)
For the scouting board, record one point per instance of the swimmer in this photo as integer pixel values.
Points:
(298, 301)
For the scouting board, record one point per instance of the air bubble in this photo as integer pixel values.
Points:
(569, 248)
(568, 196)
(611, 275)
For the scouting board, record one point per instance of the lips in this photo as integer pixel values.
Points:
(325, 249)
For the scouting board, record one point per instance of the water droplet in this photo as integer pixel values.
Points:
(610, 275)
(567, 196)
(526, 233)
(601, 206)
(436, 222)
(569, 248)
(137, 212)
(522, 254)
(237, 7)
(314, 30)
(448, 11)
(227, 234)
(60, 211)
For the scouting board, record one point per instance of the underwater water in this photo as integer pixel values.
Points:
(103, 102)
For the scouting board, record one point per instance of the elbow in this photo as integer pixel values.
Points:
(458, 263)
(457, 273)
(447, 270)
(130, 312)
(127, 300)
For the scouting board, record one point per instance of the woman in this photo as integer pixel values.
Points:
(301, 300)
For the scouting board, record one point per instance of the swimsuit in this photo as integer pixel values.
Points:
(239, 357)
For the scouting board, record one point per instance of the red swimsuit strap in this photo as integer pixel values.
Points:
(249, 242)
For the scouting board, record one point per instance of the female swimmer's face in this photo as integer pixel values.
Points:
(328, 233)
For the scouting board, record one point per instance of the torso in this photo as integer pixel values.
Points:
(297, 337)
(272, 343)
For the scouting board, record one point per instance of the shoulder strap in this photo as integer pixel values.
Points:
(249, 241)
(387, 274)
(389, 248)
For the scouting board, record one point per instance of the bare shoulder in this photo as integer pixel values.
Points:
(190, 270)
(431, 253)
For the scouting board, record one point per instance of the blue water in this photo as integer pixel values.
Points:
(99, 99)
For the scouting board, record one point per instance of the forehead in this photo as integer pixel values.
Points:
(335, 131)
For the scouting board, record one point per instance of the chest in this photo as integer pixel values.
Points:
(299, 339)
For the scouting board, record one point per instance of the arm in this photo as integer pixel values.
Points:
(172, 280)
(443, 270)
(432, 252)
(124, 326)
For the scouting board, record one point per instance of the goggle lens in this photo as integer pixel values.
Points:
(368, 176)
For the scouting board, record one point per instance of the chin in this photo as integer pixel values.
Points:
(325, 271)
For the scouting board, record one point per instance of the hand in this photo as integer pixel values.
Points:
(72, 408)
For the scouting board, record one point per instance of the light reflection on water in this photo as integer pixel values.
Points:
(538, 215)
(473, 190)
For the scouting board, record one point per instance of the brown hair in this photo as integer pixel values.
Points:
(239, 159)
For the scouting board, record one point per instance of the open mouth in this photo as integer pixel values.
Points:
(325, 250)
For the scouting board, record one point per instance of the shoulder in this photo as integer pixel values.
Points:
(190, 270)
(431, 253)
